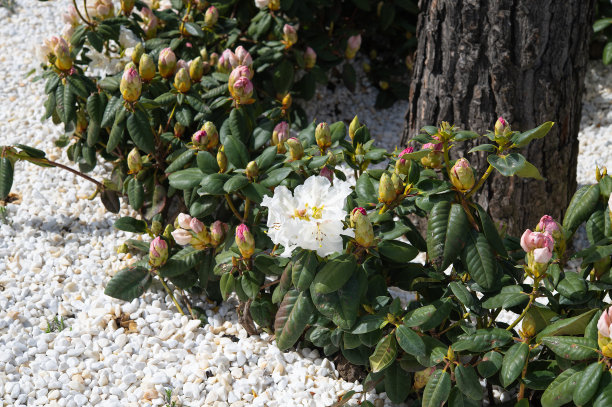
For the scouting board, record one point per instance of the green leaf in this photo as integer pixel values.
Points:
(186, 259)
(396, 251)
(510, 296)
(483, 340)
(368, 323)
(522, 139)
(588, 383)
(110, 111)
(491, 362)
(607, 54)
(480, 261)
(69, 108)
(238, 124)
(181, 161)
(129, 224)
(446, 231)
(334, 274)
(77, 86)
(384, 354)
(464, 135)
(96, 103)
(186, 179)
(489, 148)
(568, 326)
(6, 177)
(395, 383)
(236, 151)
(560, 391)
(596, 226)
(31, 151)
(529, 170)
(419, 316)
(276, 176)
(604, 392)
(128, 283)
(184, 115)
(304, 270)
(227, 284)
(467, 382)
(250, 282)
(292, 317)
(135, 193)
(342, 306)
(409, 341)
(140, 131)
(270, 265)
(507, 165)
(601, 24)
(437, 389)
(571, 347)
(235, 183)
(441, 313)
(213, 184)
(580, 208)
(207, 163)
(490, 232)
(572, 286)
(462, 294)
(282, 77)
(514, 361)
(262, 311)
(194, 29)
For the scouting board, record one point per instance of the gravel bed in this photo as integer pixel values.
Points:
(57, 251)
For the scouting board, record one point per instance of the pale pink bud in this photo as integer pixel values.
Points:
(243, 57)
(150, 22)
(310, 58)
(218, 231)
(130, 85)
(158, 252)
(199, 139)
(548, 224)
(71, 16)
(540, 243)
(280, 134)
(63, 60)
(461, 175)
(167, 62)
(604, 322)
(184, 220)
(289, 35)
(196, 225)
(242, 90)
(352, 46)
(211, 16)
(181, 63)
(182, 236)
(502, 128)
(239, 72)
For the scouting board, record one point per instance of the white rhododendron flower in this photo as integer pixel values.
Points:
(261, 4)
(311, 218)
(127, 38)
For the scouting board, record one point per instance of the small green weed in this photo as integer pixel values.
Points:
(57, 325)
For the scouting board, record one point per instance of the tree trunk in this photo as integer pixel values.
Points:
(524, 60)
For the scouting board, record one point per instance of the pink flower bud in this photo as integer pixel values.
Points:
(327, 173)
(71, 16)
(289, 35)
(150, 22)
(280, 134)
(243, 56)
(196, 225)
(364, 233)
(227, 61)
(184, 220)
(182, 236)
(548, 224)
(352, 46)
(242, 90)
(502, 128)
(199, 139)
(131, 85)
(218, 231)
(604, 322)
(158, 252)
(541, 244)
(182, 64)
(462, 176)
(211, 16)
(167, 62)
(310, 58)
(237, 73)
(435, 157)
(245, 241)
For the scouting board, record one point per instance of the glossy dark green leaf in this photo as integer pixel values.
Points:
(396, 251)
(483, 340)
(292, 317)
(514, 361)
(140, 131)
(207, 163)
(561, 390)
(572, 286)
(395, 381)
(181, 161)
(568, 326)
(238, 124)
(510, 296)
(227, 284)
(490, 232)
(181, 262)
(235, 183)
(304, 270)
(580, 208)
(282, 78)
(489, 148)
(6, 177)
(462, 293)
(384, 353)
(409, 341)
(596, 226)
(186, 179)
(135, 193)
(110, 111)
(571, 347)
(480, 261)
(601, 24)
(236, 151)
(129, 224)
(446, 231)
(128, 283)
(437, 389)
(606, 56)
(334, 274)
(588, 383)
(522, 139)
(442, 311)
(490, 364)
(419, 316)
(467, 382)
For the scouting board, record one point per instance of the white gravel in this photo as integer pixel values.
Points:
(57, 252)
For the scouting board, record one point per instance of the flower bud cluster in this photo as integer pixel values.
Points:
(207, 138)
(435, 158)
(539, 247)
(191, 231)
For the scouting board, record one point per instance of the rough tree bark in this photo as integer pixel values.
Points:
(522, 59)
